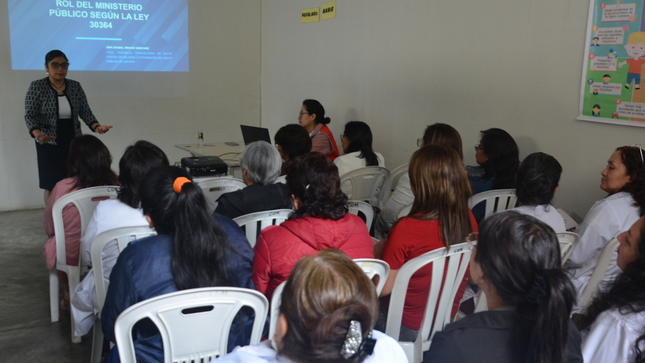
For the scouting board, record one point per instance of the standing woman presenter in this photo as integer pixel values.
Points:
(52, 107)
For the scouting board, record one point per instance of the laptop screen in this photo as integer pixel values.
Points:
(252, 134)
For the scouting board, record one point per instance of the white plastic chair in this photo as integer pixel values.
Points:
(123, 236)
(373, 267)
(496, 200)
(356, 206)
(598, 273)
(281, 179)
(393, 181)
(253, 223)
(213, 188)
(365, 183)
(276, 300)
(437, 311)
(85, 201)
(190, 336)
(568, 242)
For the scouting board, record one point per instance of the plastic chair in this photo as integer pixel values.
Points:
(357, 206)
(496, 200)
(213, 188)
(393, 181)
(372, 268)
(281, 179)
(123, 236)
(85, 201)
(366, 183)
(194, 324)
(440, 298)
(276, 300)
(598, 273)
(249, 222)
(568, 242)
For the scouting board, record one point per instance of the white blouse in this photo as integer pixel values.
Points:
(612, 337)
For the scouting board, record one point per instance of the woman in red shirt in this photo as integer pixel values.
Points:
(439, 218)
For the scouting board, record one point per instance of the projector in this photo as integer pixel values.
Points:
(204, 166)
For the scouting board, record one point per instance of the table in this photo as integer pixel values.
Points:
(229, 152)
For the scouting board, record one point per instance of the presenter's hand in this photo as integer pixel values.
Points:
(43, 139)
(102, 129)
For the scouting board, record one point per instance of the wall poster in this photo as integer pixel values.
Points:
(613, 81)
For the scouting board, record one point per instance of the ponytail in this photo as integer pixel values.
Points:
(178, 208)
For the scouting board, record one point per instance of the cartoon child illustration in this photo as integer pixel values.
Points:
(611, 54)
(635, 47)
(595, 41)
(606, 78)
(595, 110)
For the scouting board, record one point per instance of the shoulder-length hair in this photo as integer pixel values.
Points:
(503, 157)
(136, 162)
(441, 191)
(90, 162)
(632, 158)
(537, 178)
(444, 134)
(359, 135)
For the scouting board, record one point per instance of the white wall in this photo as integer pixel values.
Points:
(221, 91)
(513, 64)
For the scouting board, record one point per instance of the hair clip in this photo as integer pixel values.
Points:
(179, 183)
(641, 152)
(354, 342)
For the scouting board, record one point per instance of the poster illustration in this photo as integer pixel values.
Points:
(613, 82)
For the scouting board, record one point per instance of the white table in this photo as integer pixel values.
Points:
(229, 152)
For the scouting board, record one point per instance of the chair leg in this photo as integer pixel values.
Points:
(53, 295)
(97, 342)
(73, 281)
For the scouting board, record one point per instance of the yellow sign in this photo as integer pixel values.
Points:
(310, 15)
(328, 10)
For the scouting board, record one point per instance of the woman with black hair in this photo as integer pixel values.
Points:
(191, 250)
(88, 165)
(516, 262)
(312, 118)
(320, 220)
(357, 148)
(537, 181)
(292, 141)
(52, 108)
(624, 180)
(614, 323)
(498, 158)
(136, 162)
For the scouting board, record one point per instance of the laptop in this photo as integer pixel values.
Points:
(252, 134)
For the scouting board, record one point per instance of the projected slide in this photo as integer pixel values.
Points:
(130, 35)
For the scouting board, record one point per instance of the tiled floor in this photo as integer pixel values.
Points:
(26, 331)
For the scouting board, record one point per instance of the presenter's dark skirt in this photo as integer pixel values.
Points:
(52, 159)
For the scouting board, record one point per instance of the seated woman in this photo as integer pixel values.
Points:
(88, 165)
(292, 141)
(320, 220)
(498, 158)
(516, 262)
(327, 303)
(624, 180)
(537, 181)
(124, 211)
(312, 118)
(357, 148)
(191, 250)
(260, 164)
(402, 197)
(439, 218)
(614, 323)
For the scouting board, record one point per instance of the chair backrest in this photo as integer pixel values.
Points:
(85, 201)
(598, 273)
(194, 324)
(496, 200)
(253, 223)
(366, 183)
(276, 300)
(440, 298)
(281, 179)
(357, 207)
(213, 188)
(372, 268)
(568, 242)
(123, 236)
(393, 180)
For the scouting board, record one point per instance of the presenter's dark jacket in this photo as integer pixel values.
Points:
(41, 107)
(490, 336)
(254, 198)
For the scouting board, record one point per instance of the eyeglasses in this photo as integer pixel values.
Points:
(57, 65)
(471, 239)
(479, 147)
(303, 113)
(419, 142)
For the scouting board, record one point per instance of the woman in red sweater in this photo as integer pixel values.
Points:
(439, 218)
